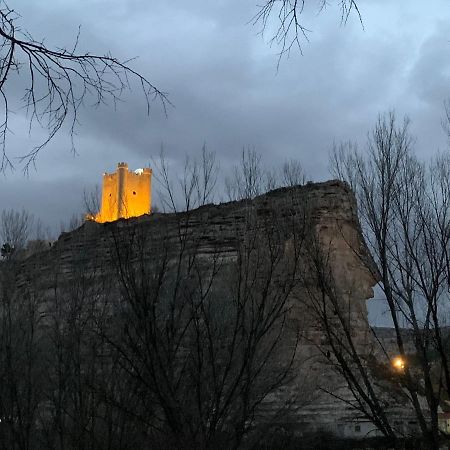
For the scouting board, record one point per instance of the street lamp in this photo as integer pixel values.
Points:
(398, 363)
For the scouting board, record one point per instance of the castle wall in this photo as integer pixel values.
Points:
(110, 199)
(125, 194)
(137, 194)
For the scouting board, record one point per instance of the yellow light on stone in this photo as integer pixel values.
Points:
(125, 194)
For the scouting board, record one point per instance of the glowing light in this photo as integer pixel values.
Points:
(125, 194)
(398, 363)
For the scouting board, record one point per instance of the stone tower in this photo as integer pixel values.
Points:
(125, 194)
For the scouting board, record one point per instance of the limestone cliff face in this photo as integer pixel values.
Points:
(299, 219)
(329, 208)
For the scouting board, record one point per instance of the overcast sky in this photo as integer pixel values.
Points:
(221, 76)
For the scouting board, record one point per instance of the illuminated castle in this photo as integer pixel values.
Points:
(125, 194)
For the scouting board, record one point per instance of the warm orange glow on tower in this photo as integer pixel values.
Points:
(125, 194)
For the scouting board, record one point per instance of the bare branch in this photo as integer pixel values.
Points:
(287, 16)
(59, 82)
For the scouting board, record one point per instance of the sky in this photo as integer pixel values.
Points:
(228, 88)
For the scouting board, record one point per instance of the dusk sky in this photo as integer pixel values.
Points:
(221, 76)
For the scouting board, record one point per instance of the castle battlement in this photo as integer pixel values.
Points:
(125, 194)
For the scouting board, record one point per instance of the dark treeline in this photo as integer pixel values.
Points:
(180, 338)
(161, 339)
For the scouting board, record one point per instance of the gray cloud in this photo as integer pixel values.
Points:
(222, 78)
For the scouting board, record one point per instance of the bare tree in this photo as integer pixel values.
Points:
(404, 209)
(248, 177)
(75, 221)
(203, 332)
(293, 174)
(15, 228)
(194, 188)
(209, 170)
(92, 201)
(84, 382)
(340, 323)
(60, 81)
(251, 178)
(287, 17)
(21, 372)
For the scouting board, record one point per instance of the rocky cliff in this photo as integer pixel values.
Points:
(291, 226)
(329, 208)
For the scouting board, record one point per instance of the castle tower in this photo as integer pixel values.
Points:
(125, 194)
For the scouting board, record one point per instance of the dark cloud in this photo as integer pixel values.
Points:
(222, 78)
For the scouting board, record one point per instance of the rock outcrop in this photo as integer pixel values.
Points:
(317, 217)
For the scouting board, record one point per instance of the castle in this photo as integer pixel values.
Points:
(125, 194)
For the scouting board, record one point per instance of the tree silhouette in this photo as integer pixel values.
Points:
(58, 82)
